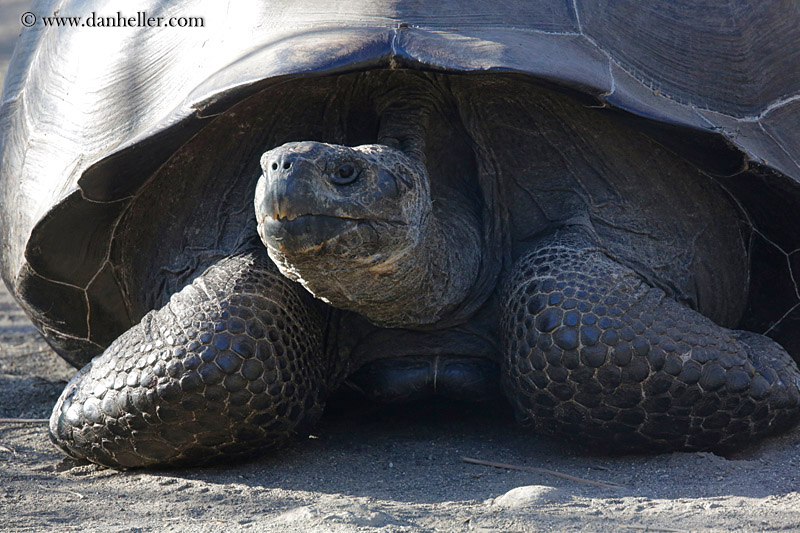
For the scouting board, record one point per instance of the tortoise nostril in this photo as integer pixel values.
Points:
(287, 165)
(274, 166)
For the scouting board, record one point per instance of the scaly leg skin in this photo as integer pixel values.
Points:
(232, 366)
(595, 354)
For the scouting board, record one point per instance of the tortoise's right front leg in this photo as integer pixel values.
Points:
(233, 365)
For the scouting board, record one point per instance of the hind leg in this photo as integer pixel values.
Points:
(233, 365)
(592, 352)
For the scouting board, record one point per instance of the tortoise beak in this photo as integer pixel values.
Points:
(288, 211)
(285, 190)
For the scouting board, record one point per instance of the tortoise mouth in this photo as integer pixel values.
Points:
(306, 232)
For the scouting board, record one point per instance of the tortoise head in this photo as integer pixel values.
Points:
(360, 204)
(352, 211)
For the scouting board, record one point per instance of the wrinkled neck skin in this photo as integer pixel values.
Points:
(406, 274)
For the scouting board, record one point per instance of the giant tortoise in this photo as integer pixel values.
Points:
(589, 205)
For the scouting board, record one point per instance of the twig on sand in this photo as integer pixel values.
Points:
(64, 491)
(24, 420)
(656, 529)
(76, 494)
(543, 471)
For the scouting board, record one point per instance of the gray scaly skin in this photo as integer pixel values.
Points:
(236, 364)
(233, 365)
(595, 354)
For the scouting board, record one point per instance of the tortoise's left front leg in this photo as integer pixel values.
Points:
(595, 353)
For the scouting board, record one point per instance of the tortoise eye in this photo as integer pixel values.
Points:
(346, 170)
(346, 173)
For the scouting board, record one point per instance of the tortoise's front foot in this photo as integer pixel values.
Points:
(232, 366)
(595, 354)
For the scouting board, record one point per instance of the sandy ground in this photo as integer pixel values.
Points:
(371, 469)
